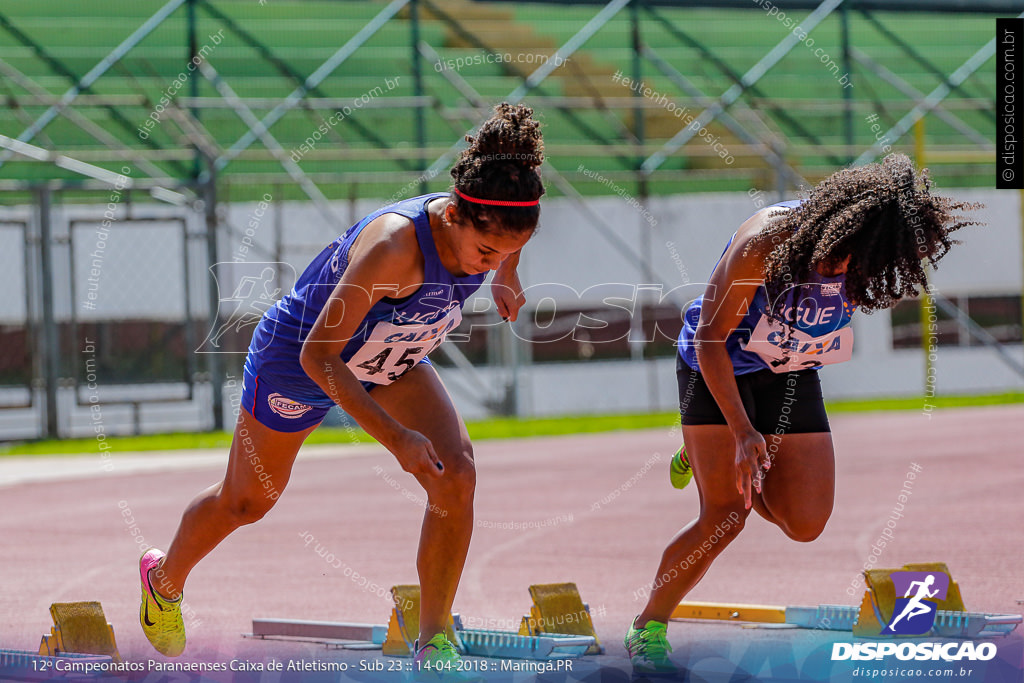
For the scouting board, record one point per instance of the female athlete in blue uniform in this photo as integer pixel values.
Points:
(355, 332)
(777, 308)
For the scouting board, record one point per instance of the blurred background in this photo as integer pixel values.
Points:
(167, 168)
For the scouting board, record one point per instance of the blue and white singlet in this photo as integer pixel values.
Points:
(807, 327)
(395, 334)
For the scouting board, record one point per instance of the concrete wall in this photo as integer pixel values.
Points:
(571, 262)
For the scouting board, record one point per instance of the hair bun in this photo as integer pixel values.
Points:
(501, 164)
(510, 136)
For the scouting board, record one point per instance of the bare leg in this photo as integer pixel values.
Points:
(711, 449)
(797, 495)
(419, 401)
(799, 489)
(259, 465)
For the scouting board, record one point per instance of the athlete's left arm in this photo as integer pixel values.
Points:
(506, 288)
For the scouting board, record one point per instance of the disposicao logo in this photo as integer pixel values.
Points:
(947, 652)
(914, 613)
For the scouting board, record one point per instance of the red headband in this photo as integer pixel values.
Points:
(496, 202)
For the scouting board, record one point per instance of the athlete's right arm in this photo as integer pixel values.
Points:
(730, 292)
(384, 261)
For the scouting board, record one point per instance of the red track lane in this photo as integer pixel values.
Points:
(594, 509)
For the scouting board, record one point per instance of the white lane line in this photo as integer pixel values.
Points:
(30, 469)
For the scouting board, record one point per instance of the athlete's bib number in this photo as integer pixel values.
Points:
(785, 349)
(392, 350)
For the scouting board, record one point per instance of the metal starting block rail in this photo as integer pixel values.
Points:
(952, 620)
(556, 606)
(948, 624)
(511, 645)
(332, 634)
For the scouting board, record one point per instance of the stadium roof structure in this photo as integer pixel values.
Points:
(330, 100)
(198, 102)
(1005, 7)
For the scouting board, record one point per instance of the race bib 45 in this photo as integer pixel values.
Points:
(392, 350)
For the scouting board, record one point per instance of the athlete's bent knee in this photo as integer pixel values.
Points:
(457, 486)
(248, 510)
(805, 531)
(804, 534)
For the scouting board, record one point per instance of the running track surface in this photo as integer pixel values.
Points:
(594, 509)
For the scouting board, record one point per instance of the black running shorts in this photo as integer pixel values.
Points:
(785, 403)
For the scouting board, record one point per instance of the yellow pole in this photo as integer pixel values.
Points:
(927, 304)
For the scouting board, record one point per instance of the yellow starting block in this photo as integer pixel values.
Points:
(79, 628)
(558, 612)
(558, 608)
(404, 624)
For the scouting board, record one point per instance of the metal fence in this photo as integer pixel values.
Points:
(640, 99)
(114, 299)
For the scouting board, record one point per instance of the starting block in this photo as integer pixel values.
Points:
(510, 645)
(765, 614)
(79, 628)
(948, 624)
(555, 606)
(952, 620)
(404, 624)
(549, 601)
(879, 601)
(558, 608)
(332, 634)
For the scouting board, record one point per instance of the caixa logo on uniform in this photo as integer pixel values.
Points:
(947, 652)
(286, 407)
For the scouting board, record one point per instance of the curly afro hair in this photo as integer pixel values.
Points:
(882, 216)
(501, 162)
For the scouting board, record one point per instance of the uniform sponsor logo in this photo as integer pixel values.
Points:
(424, 317)
(428, 333)
(809, 316)
(831, 288)
(286, 407)
(436, 292)
(812, 347)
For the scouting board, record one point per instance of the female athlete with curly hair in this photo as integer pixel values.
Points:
(777, 308)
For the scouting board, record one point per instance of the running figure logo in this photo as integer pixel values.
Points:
(257, 290)
(914, 613)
